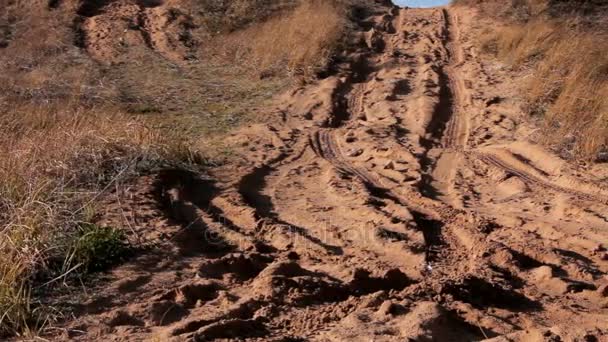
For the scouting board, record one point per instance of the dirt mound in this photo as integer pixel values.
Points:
(116, 31)
(112, 31)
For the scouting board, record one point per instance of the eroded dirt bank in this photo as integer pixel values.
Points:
(398, 199)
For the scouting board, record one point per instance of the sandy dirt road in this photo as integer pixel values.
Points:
(399, 199)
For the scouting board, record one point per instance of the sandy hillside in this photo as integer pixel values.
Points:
(402, 198)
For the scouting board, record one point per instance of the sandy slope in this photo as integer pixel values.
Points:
(401, 198)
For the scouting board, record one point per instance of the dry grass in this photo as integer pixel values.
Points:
(53, 161)
(568, 85)
(571, 87)
(519, 44)
(70, 128)
(41, 63)
(299, 42)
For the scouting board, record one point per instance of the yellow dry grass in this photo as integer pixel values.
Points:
(568, 85)
(53, 160)
(299, 42)
(64, 133)
(571, 85)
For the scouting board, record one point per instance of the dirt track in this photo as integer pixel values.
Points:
(399, 199)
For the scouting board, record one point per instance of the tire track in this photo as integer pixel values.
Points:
(463, 261)
(442, 124)
(432, 219)
(533, 180)
(449, 123)
(325, 146)
(356, 103)
(455, 134)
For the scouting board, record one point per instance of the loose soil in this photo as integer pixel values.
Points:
(401, 199)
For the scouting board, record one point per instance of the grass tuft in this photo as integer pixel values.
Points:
(565, 47)
(99, 248)
(298, 42)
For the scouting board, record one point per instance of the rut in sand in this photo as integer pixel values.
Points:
(375, 207)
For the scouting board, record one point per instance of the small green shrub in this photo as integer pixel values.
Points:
(98, 248)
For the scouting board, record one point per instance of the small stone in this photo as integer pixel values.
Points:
(602, 157)
(389, 166)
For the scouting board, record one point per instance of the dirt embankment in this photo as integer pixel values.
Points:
(397, 199)
(557, 48)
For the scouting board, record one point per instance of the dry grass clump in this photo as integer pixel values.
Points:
(57, 152)
(519, 44)
(568, 86)
(54, 161)
(299, 42)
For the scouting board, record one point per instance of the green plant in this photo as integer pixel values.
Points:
(98, 248)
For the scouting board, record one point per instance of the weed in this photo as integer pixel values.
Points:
(97, 248)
